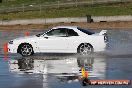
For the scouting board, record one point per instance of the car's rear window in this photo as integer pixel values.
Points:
(86, 31)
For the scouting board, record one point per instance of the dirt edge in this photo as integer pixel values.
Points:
(95, 25)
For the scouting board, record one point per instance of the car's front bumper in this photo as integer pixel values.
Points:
(12, 48)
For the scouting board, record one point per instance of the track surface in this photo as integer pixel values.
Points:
(114, 63)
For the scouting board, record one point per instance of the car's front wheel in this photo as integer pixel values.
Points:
(25, 49)
(85, 49)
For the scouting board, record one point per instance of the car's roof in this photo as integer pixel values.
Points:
(70, 27)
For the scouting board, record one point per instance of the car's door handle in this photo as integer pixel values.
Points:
(46, 37)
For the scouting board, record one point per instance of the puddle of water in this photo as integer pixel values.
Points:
(43, 72)
(49, 72)
(59, 67)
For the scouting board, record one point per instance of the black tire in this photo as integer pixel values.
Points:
(85, 49)
(25, 49)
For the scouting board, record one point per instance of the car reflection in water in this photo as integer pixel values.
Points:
(65, 69)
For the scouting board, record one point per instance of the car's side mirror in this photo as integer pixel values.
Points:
(46, 37)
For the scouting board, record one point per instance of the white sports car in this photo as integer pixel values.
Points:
(61, 39)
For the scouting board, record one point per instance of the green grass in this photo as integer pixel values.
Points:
(20, 2)
(7, 3)
(80, 11)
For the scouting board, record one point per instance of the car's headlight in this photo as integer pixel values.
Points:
(11, 42)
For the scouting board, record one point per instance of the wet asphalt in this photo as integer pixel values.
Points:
(63, 70)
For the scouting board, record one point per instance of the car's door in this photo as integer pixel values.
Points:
(73, 40)
(53, 41)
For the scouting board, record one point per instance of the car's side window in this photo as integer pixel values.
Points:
(57, 32)
(71, 32)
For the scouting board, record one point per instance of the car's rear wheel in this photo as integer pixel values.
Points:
(25, 49)
(85, 49)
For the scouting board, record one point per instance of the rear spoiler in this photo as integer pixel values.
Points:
(103, 32)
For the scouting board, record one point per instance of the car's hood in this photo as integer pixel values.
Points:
(27, 38)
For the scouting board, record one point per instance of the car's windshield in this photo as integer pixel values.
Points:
(42, 33)
(86, 31)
